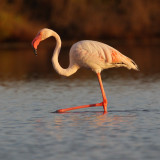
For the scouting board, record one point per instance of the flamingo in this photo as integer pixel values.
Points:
(86, 53)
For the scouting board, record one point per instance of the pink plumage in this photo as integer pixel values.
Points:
(98, 56)
(91, 54)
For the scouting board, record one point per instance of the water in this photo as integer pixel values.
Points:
(29, 129)
(30, 91)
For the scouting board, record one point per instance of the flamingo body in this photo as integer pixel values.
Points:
(98, 56)
(90, 54)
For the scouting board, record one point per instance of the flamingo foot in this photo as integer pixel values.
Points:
(83, 106)
(104, 106)
(104, 103)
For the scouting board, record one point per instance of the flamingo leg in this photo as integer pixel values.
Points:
(103, 93)
(78, 107)
(104, 103)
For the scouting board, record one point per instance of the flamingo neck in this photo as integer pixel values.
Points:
(65, 72)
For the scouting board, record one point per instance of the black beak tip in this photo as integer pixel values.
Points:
(35, 52)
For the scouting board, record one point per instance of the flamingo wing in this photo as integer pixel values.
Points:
(99, 56)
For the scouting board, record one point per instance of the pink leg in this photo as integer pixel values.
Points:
(103, 93)
(78, 107)
(104, 103)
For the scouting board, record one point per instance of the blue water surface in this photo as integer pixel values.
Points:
(29, 129)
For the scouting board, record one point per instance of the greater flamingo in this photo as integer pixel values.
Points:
(90, 54)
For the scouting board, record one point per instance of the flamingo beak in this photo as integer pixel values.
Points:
(35, 43)
(35, 51)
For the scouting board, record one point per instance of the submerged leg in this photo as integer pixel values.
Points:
(104, 103)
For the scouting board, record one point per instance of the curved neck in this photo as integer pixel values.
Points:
(65, 72)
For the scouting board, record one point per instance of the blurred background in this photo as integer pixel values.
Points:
(30, 89)
(131, 26)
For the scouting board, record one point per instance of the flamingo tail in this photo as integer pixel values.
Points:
(130, 64)
(121, 60)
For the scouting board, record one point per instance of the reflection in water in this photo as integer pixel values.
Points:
(93, 121)
(22, 63)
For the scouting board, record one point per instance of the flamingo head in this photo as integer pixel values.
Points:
(42, 35)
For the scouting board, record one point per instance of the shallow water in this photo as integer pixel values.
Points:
(30, 91)
(130, 129)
